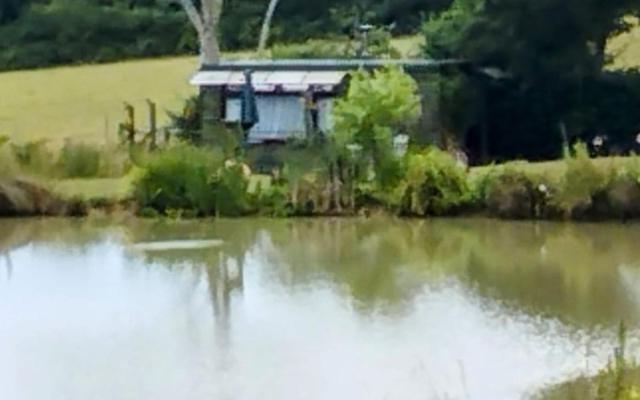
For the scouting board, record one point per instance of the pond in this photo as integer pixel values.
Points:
(309, 309)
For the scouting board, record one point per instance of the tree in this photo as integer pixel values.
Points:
(552, 57)
(376, 107)
(10, 9)
(266, 26)
(205, 19)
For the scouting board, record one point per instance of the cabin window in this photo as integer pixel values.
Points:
(280, 117)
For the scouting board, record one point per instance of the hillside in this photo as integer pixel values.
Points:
(86, 102)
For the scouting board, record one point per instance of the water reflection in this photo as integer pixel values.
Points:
(309, 309)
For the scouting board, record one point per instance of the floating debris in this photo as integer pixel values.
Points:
(177, 245)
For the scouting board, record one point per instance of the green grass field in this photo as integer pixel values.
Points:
(86, 102)
(625, 48)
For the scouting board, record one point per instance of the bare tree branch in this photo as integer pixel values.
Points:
(266, 26)
(192, 13)
(205, 21)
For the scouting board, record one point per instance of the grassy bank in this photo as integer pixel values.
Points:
(312, 179)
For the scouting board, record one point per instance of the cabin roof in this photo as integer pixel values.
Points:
(410, 65)
(299, 75)
(266, 81)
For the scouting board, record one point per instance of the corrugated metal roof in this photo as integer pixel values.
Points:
(267, 80)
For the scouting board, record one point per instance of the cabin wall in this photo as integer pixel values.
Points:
(281, 116)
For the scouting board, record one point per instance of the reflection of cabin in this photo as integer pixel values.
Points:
(294, 97)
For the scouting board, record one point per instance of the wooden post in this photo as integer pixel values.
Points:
(130, 122)
(152, 124)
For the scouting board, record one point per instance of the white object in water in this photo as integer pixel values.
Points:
(177, 245)
(630, 278)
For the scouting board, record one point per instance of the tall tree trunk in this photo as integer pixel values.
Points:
(266, 26)
(209, 43)
(206, 22)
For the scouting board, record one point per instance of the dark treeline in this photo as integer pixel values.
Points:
(547, 84)
(37, 33)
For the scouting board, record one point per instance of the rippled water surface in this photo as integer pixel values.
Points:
(308, 309)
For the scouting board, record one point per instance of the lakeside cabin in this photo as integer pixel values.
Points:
(294, 98)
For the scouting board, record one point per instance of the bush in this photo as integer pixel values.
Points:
(581, 183)
(193, 180)
(435, 184)
(274, 201)
(623, 195)
(376, 107)
(79, 161)
(511, 193)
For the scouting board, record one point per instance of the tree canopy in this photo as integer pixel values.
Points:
(551, 55)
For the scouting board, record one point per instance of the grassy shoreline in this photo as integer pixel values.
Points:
(82, 196)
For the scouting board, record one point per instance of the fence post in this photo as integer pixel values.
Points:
(152, 123)
(130, 122)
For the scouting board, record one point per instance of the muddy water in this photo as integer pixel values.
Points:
(308, 309)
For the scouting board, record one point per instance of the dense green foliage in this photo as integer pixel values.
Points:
(547, 64)
(356, 168)
(376, 107)
(36, 33)
(71, 32)
(190, 180)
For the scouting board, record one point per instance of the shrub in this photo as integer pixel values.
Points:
(377, 106)
(179, 178)
(273, 201)
(511, 194)
(582, 181)
(623, 194)
(79, 160)
(230, 188)
(435, 183)
(185, 179)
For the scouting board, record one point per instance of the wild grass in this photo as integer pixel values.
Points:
(618, 380)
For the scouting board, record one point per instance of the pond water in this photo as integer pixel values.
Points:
(309, 309)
